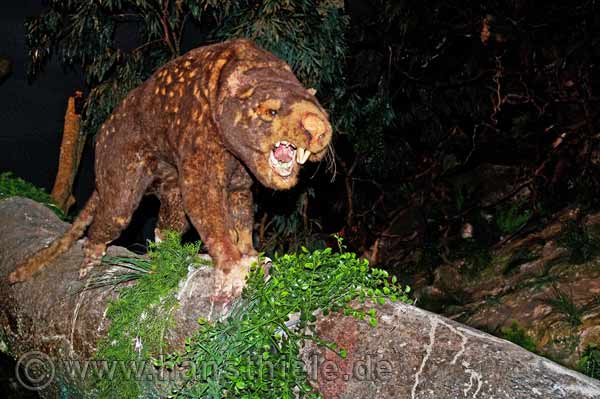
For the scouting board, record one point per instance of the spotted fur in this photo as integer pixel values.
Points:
(194, 134)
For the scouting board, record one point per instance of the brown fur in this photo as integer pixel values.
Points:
(193, 134)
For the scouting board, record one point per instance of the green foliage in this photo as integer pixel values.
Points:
(562, 303)
(254, 353)
(142, 312)
(512, 218)
(582, 244)
(589, 363)
(308, 34)
(11, 186)
(517, 335)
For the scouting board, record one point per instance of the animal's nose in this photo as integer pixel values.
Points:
(315, 128)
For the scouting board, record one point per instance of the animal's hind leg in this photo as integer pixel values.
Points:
(119, 196)
(172, 214)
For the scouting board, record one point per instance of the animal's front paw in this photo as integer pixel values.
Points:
(93, 257)
(229, 284)
(88, 265)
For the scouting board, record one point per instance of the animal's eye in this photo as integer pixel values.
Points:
(268, 109)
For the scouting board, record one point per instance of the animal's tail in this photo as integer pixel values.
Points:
(61, 244)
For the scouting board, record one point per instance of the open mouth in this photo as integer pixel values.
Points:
(284, 155)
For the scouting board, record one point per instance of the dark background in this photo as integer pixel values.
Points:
(32, 113)
(32, 116)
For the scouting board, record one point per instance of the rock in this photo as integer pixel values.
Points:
(554, 300)
(411, 353)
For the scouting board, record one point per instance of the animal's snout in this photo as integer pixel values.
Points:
(316, 130)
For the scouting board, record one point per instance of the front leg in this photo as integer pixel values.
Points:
(205, 198)
(242, 210)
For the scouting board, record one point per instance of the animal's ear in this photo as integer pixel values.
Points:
(246, 94)
(238, 85)
(312, 91)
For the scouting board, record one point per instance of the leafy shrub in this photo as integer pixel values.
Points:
(563, 303)
(512, 218)
(517, 335)
(254, 352)
(142, 312)
(11, 186)
(589, 363)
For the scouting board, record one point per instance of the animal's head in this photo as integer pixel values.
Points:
(273, 126)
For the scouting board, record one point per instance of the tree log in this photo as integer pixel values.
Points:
(410, 354)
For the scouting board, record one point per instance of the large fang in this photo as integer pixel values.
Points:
(306, 155)
(302, 155)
